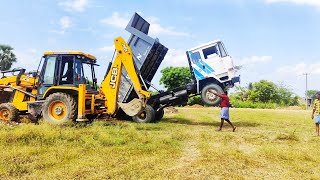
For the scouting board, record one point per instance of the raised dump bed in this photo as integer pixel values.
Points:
(148, 53)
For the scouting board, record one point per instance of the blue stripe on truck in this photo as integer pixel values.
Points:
(199, 76)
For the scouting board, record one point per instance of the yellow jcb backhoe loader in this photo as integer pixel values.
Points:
(62, 92)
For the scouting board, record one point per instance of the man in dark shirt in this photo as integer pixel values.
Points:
(224, 104)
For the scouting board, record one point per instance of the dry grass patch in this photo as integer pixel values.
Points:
(270, 144)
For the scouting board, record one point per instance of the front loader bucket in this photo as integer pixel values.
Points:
(148, 53)
(132, 108)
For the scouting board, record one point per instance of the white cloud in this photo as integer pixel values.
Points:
(121, 21)
(116, 20)
(299, 69)
(64, 24)
(315, 3)
(254, 60)
(156, 28)
(176, 58)
(28, 59)
(74, 5)
(107, 48)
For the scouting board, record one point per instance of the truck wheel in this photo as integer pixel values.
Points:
(59, 108)
(148, 115)
(209, 98)
(8, 112)
(159, 115)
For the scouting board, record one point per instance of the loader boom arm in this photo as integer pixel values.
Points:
(111, 84)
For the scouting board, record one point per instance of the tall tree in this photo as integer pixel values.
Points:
(263, 91)
(7, 57)
(174, 77)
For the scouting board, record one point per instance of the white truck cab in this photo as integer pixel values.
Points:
(212, 68)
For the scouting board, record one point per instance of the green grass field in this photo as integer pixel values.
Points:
(270, 144)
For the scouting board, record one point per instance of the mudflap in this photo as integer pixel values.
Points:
(132, 108)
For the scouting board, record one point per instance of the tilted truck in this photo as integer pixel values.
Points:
(210, 64)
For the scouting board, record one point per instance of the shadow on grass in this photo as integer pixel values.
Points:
(179, 120)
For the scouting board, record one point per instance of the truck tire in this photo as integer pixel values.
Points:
(148, 115)
(8, 113)
(60, 108)
(159, 115)
(209, 98)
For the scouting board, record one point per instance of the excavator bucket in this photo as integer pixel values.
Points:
(132, 108)
(148, 53)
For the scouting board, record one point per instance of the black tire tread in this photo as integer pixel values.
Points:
(14, 117)
(67, 99)
(205, 89)
(159, 115)
(150, 115)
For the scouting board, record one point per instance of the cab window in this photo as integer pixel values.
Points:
(66, 70)
(48, 77)
(79, 79)
(210, 51)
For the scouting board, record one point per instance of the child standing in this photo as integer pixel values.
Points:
(316, 112)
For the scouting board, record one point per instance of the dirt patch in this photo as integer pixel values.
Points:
(171, 110)
(194, 106)
(293, 108)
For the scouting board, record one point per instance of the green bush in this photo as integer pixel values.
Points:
(195, 100)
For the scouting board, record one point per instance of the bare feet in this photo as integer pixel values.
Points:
(219, 129)
(234, 129)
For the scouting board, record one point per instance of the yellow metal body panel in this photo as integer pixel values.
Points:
(24, 80)
(19, 101)
(60, 89)
(73, 53)
(111, 84)
(81, 101)
(20, 98)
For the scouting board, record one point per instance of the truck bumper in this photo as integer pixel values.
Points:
(235, 79)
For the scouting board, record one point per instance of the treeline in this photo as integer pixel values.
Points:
(263, 94)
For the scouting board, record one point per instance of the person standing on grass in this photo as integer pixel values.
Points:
(224, 104)
(316, 112)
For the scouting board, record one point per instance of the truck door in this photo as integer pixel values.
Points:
(200, 69)
(212, 58)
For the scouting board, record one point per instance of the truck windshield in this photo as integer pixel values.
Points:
(222, 50)
(195, 57)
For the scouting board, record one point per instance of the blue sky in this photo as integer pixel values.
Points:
(277, 40)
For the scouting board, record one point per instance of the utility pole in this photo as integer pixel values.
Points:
(306, 93)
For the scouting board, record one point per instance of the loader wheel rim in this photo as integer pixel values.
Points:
(210, 96)
(57, 110)
(142, 115)
(5, 114)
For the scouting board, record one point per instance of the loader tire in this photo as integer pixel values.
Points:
(209, 98)
(159, 115)
(60, 108)
(148, 115)
(9, 113)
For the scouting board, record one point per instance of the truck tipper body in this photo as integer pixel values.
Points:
(210, 65)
